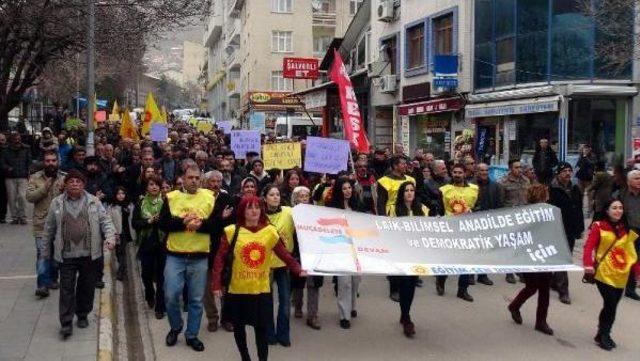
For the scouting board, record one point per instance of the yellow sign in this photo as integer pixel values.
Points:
(204, 127)
(260, 97)
(281, 155)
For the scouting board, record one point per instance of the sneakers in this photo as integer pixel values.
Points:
(172, 338)
(464, 295)
(195, 344)
(313, 323)
(42, 292)
(83, 322)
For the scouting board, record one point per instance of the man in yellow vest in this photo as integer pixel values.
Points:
(187, 218)
(459, 197)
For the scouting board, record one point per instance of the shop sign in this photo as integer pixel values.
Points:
(445, 83)
(527, 108)
(434, 106)
(416, 92)
(316, 99)
(272, 98)
(405, 133)
(300, 68)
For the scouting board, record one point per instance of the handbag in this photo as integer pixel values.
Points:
(227, 270)
(591, 278)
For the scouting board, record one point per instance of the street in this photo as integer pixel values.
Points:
(447, 328)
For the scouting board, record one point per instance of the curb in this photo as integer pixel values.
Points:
(148, 348)
(106, 314)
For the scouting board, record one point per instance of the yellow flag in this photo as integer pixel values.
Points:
(165, 116)
(151, 114)
(115, 112)
(127, 129)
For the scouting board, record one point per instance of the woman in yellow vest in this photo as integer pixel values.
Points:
(280, 217)
(249, 293)
(614, 257)
(406, 204)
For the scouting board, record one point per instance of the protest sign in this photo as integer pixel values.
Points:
(511, 240)
(243, 141)
(225, 126)
(257, 121)
(326, 155)
(281, 155)
(159, 132)
(204, 127)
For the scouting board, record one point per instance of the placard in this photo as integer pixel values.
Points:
(159, 132)
(281, 155)
(204, 127)
(243, 141)
(257, 121)
(225, 126)
(326, 155)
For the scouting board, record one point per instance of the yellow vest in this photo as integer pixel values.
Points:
(614, 269)
(181, 204)
(459, 200)
(391, 186)
(252, 259)
(283, 221)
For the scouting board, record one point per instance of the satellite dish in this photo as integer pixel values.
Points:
(316, 5)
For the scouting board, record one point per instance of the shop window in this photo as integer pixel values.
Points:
(532, 41)
(443, 35)
(389, 52)
(415, 55)
(571, 41)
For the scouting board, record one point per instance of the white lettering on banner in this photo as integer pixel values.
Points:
(489, 111)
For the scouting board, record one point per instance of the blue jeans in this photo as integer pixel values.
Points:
(46, 269)
(280, 331)
(177, 272)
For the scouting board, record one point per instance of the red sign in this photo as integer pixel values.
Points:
(432, 106)
(300, 68)
(353, 125)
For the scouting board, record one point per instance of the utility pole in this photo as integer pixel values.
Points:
(91, 91)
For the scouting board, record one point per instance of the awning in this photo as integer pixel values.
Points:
(601, 90)
(524, 106)
(432, 106)
(495, 96)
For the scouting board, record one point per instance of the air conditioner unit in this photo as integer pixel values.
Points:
(388, 83)
(386, 11)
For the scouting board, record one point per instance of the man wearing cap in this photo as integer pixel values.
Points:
(566, 196)
(78, 227)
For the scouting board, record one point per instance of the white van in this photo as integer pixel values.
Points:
(289, 127)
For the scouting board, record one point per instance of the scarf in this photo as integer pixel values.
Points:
(151, 206)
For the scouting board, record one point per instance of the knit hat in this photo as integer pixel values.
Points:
(562, 166)
(74, 173)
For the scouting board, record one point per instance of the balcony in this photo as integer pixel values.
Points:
(235, 6)
(212, 30)
(323, 19)
(232, 33)
(232, 60)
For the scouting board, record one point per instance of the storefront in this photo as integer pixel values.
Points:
(433, 126)
(569, 116)
(273, 104)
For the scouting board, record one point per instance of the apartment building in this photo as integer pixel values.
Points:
(247, 41)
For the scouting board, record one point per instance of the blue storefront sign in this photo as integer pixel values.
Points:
(448, 83)
(525, 108)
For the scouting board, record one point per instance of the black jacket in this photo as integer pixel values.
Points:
(570, 204)
(490, 196)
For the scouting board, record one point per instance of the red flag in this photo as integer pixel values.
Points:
(354, 130)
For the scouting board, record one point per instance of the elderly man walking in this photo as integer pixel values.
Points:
(78, 227)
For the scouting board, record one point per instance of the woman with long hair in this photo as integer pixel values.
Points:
(254, 241)
(343, 197)
(609, 255)
(291, 181)
(406, 204)
(150, 239)
(119, 209)
(535, 282)
(281, 217)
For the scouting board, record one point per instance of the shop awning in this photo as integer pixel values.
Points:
(431, 106)
(601, 90)
(524, 106)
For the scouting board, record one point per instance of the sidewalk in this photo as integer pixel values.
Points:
(28, 326)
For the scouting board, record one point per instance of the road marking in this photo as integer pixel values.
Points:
(19, 277)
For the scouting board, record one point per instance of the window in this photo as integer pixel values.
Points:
(278, 83)
(415, 47)
(281, 6)
(443, 35)
(483, 54)
(389, 53)
(321, 6)
(281, 41)
(320, 45)
(354, 5)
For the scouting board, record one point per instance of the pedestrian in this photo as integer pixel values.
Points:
(291, 181)
(566, 196)
(407, 204)
(343, 197)
(15, 163)
(630, 197)
(251, 241)
(544, 160)
(535, 282)
(585, 169)
(490, 196)
(459, 197)
(609, 255)
(42, 188)
(3, 185)
(187, 219)
(259, 174)
(75, 231)
(601, 188)
(120, 209)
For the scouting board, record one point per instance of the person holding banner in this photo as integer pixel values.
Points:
(407, 204)
(280, 217)
(609, 268)
(459, 197)
(343, 197)
(254, 241)
(535, 282)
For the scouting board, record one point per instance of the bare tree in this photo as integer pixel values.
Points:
(36, 35)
